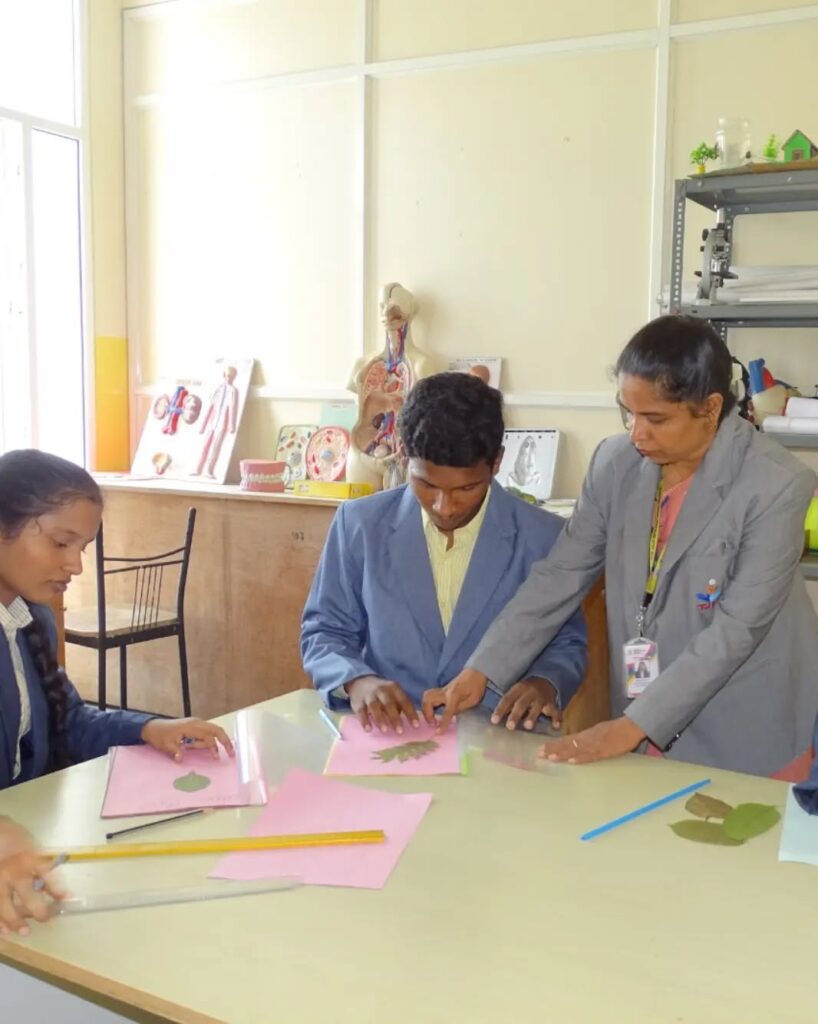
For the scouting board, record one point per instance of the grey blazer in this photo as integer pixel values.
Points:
(738, 683)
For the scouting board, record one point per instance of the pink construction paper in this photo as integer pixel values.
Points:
(140, 781)
(353, 755)
(305, 802)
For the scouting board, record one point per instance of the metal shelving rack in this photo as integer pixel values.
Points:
(730, 195)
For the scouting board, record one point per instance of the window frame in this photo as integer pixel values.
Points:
(80, 133)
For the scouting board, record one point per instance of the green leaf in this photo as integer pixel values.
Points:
(403, 752)
(704, 832)
(707, 806)
(191, 783)
(748, 820)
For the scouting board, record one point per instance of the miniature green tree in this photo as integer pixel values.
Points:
(701, 154)
(771, 148)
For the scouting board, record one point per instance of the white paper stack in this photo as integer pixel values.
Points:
(790, 425)
(801, 417)
(801, 407)
(760, 284)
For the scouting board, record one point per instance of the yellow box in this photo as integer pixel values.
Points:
(811, 525)
(330, 489)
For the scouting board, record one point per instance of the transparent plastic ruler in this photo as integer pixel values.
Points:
(158, 897)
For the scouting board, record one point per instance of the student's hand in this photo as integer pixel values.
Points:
(21, 866)
(172, 736)
(526, 701)
(465, 691)
(376, 701)
(607, 739)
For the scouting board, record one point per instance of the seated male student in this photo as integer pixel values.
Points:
(411, 578)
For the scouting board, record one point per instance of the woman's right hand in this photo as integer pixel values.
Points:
(465, 691)
(22, 866)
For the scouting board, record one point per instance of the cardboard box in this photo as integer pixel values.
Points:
(329, 489)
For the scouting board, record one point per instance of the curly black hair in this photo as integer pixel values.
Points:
(31, 484)
(452, 419)
(684, 357)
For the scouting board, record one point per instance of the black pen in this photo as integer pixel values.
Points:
(150, 824)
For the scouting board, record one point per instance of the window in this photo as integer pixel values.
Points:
(42, 314)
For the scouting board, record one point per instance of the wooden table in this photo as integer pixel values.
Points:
(496, 912)
(253, 560)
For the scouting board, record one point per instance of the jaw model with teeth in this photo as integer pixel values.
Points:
(262, 475)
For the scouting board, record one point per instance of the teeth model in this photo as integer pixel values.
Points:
(262, 475)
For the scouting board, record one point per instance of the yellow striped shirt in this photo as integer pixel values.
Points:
(449, 566)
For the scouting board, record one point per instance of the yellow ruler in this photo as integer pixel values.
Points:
(190, 846)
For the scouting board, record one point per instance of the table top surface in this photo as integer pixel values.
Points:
(496, 912)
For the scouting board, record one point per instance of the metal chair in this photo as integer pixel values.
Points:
(110, 626)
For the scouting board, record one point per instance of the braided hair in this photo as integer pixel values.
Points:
(33, 483)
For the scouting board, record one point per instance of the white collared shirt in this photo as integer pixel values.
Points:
(14, 618)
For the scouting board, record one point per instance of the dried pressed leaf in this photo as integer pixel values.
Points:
(706, 807)
(704, 832)
(748, 820)
(191, 783)
(403, 752)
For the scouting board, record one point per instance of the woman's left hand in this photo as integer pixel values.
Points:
(172, 736)
(607, 739)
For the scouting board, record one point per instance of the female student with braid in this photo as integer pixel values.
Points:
(50, 510)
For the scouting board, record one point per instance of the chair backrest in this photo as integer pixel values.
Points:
(148, 573)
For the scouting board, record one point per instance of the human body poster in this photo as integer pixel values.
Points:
(191, 427)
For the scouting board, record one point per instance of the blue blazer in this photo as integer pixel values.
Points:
(89, 731)
(372, 608)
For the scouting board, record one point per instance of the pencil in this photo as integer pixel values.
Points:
(150, 824)
(39, 883)
(644, 810)
(185, 847)
(330, 724)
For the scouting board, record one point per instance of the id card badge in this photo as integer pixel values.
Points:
(641, 662)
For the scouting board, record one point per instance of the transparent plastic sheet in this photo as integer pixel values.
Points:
(248, 745)
(302, 740)
(251, 790)
(288, 742)
(515, 748)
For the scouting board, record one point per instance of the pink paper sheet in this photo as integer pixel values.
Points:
(305, 802)
(354, 755)
(141, 781)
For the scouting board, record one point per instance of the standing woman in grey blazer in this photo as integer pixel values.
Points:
(697, 521)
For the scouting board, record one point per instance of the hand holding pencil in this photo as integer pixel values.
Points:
(27, 882)
(172, 736)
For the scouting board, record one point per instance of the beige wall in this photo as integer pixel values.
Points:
(107, 166)
(513, 196)
(417, 28)
(701, 10)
